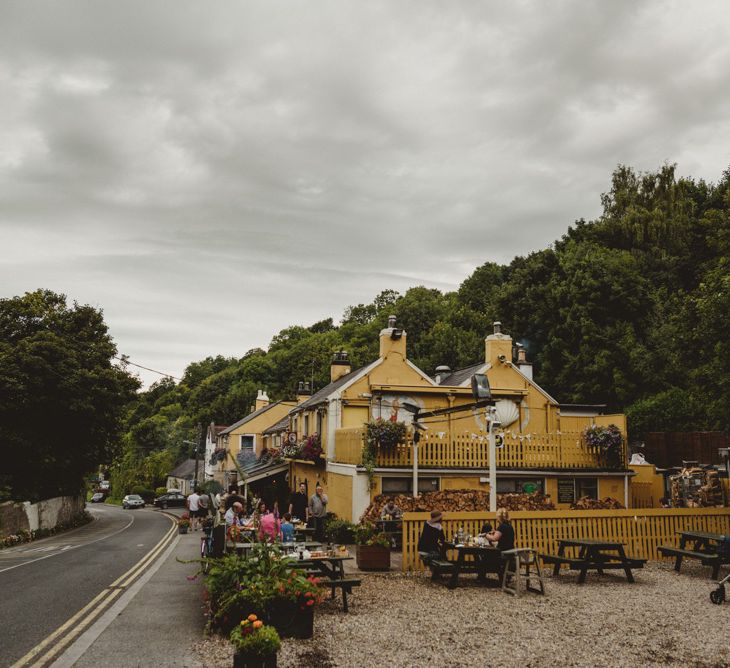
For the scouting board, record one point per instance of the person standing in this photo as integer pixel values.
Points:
(193, 505)
(318, 511)
(299, 507)
(204, 505)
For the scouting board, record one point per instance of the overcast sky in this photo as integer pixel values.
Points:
(209, 173)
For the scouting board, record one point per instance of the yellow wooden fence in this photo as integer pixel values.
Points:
(642, 531)
(471, 450)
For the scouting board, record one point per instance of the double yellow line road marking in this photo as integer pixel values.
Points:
(49, 648)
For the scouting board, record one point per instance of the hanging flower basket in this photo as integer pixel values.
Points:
(385, 435)
(607, 442)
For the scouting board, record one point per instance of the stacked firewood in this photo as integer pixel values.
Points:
(586, 503)
(695, 487)
(457, 500)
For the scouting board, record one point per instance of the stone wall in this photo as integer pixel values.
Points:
(47, 514)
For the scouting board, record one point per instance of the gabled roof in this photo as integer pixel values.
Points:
(250, 416)
(184, 470)
(321, 395)
(281, 425)
(460, 376)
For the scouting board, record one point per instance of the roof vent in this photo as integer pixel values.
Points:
(441, 372)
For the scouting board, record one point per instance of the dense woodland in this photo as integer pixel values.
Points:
(631, 310)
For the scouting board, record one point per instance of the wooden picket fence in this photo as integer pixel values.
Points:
(641, 530)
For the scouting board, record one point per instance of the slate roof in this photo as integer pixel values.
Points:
(250, 416)
(321, 395)
(254, 469)
(456, 378)
(184, 470)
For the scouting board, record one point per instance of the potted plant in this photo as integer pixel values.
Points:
(311, 448)
(256, 644)
(183, 524)
(266, 585)
(373, 548)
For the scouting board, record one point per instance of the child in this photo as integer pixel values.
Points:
(287, 529)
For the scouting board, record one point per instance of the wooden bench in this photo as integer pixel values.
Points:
(706, 558)
(345, 585)
(440, 566)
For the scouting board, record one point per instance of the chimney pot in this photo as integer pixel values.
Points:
(391, 321)
(497, 327)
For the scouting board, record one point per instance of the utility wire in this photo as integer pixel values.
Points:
(146, 368)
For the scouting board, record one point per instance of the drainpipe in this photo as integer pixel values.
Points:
(626, 491)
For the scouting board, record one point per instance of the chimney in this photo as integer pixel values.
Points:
(522, 364)
(441, 373)
(498, 347)
(340, 366)
(262, 400)
(392, 340)
(303, 391)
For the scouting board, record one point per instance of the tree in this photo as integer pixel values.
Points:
(62, 400)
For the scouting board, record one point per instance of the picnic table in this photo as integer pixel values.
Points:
(331, 573)
(482, 559)
(711, 549)
(598, 555)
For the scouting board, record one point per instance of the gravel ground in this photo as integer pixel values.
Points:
(406, 620)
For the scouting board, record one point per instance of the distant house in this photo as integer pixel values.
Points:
(183, 475)
(244, 440)
(211, 443)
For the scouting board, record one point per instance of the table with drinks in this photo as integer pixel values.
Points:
(475, 554)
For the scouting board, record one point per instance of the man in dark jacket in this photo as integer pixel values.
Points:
(432, 540)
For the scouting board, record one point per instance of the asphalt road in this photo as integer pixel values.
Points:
(47, 582)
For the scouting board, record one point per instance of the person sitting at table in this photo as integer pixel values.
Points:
(431, 544)
(391, 511)
(269, 527)
(233, 514)
(504, 534)
(287, 529)
(486, 527)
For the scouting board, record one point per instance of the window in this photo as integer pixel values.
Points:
(319, 422)
(405, 485)
(247, 442)
(305, 430)
(586, 487)
(520, 485)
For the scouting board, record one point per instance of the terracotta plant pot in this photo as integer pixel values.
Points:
(249, 660)
(373, 558)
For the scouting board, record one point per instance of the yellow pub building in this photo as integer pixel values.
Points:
(542, 447)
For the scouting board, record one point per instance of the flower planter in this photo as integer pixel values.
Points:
(250, 660)
(373, 558)
(287, 617)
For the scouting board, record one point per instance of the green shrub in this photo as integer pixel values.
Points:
(145, 492)
(339, 531)
(255, 637)
(159, 491)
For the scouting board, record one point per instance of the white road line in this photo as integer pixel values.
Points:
(89, 637)
(70, 547)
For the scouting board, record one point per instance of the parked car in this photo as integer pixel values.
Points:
(133, 501)
(170, 499)
(98, 498)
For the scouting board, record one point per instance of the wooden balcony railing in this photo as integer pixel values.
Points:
(557, 450)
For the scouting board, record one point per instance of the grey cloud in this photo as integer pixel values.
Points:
(211, 174)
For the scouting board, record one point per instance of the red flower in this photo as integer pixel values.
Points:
(310, 602)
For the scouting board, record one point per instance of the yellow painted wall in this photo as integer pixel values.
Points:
(646, 487)
(463, 482)
(257, 426)
(339, 492)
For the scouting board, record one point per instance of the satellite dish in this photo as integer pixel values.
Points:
(480, 387)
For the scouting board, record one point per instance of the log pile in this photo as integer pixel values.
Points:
(586, 503)
(696, 487)
(457, 500)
